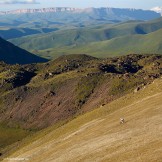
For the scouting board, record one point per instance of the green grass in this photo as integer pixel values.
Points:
(10, 33)
(9, 135)
(150, 43)
(119, 87)
(83, 91)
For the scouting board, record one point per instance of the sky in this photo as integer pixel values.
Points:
(21, 4)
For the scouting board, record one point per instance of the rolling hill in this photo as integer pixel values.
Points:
(10, 33)
(101, 41)
(12, 54)
(149, 43)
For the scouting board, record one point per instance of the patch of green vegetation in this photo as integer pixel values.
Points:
(60, 80)
(85, 88)
(145, 44)
(60, 70)
(10, 135)
(123, 86)
(10, 33)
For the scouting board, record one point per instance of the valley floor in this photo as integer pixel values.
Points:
(99, 136)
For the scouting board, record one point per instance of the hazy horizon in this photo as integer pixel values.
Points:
(6, 5)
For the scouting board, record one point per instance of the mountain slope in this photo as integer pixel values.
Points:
(36, 96)
(60, 90)
(12, 54)
(39, 92)
(98, 135)
(149, 43)
(86, 35)
(11, 33)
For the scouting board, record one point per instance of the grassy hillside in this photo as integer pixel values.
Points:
(98, 135)
(101, 41)
(10, 33)
(148, 43)
(86, 35)
(10, 135)
(36, 96)
(12, 54)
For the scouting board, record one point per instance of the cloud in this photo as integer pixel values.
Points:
(18, 2)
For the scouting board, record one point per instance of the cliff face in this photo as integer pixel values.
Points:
(114, 13)
(47, 17)
(42, 10)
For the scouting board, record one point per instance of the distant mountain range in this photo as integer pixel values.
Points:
(41, 10)
(12, 54)
(52, 16)
(125, 12)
